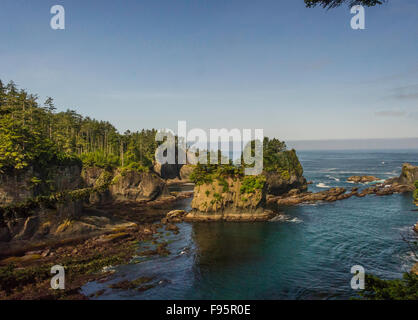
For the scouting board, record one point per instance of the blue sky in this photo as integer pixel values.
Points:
(298, 73)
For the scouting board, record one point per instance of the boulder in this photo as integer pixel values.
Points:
(176, 214)
(130, 185)
(362, 179)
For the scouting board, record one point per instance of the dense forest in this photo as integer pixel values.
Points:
(34, 133)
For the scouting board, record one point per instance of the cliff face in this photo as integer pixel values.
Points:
(178, 172)
(186, 171)
(18, 186)
(287, 175)
(409, 175)
(129, 185)
(29, 213)
(231, 199)
(28, 220)
(168, 171)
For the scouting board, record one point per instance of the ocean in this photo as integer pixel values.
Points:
(307, 256)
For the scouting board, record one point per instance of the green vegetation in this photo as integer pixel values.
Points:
(206, 174)
(34, 134)
(277, 159)
(251, 184)
(416, 192)
(218, 197)
(336, 3)
(399, 289)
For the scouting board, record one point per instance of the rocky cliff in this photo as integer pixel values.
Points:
(20, 185)
(168, 171)
(286, 175)
(408, 175)
(230, 199)
(130, 185)
(32, 201)
(29, 211)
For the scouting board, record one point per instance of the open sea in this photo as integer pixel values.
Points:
(307, 256)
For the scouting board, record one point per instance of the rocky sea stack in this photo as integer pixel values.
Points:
(284, 173)
(223, 192)
(231, 198)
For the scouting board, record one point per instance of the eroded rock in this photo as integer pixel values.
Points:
(362, 179)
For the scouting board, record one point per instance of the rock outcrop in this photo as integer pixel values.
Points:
(168, 171)
(28, 215)
(288, 175)
(362, 179)
(173, 173)
(186, 171)
(20, 185)
(229, 199)
(21, 216)
(295, 197)
(130, 185)
(408, 176)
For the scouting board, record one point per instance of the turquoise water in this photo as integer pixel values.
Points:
(309, 256)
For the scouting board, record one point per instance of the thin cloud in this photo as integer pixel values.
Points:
(406, 93)
(390, 113)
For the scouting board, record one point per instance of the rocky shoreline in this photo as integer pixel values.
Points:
(295, 197)
(28, 276)
(109, 232)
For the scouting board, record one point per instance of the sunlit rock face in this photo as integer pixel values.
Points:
(20, 185)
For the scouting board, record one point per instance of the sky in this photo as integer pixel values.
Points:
(297, 73)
